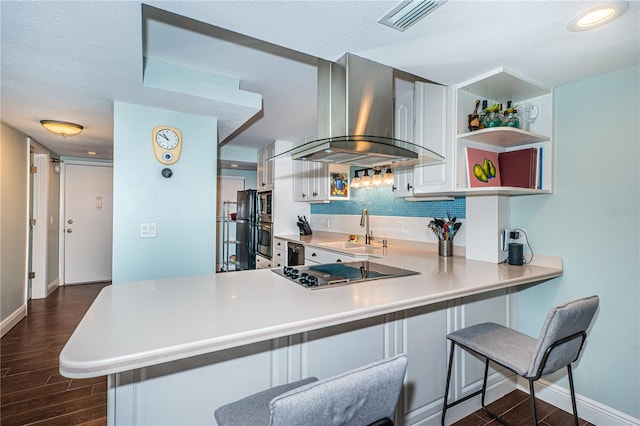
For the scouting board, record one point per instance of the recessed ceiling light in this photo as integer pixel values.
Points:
(91, 152)
(597, 16)
(234, 166)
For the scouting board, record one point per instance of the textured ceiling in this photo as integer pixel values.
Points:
(71, 60)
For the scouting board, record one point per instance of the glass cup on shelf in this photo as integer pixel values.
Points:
(529, 114)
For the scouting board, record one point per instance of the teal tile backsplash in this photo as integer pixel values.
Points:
(381, 202)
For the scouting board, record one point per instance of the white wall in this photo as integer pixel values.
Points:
(250, 176)
(593, 221)
(14, 190)
(183, 207)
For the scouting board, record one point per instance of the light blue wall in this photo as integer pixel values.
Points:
(592, 221)
(183, 207)
(238, 153)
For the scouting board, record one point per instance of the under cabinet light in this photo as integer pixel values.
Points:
(355, 182)
(388, 177)
(376, 180)
(365, 182)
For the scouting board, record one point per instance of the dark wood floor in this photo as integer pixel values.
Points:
(516, 409)
(32, 391)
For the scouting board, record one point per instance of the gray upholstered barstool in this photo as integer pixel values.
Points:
(559, 344)
(365, 396)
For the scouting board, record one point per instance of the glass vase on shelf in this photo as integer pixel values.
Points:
(511, 118)
(492, 118)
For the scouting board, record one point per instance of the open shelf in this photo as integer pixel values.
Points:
(504, 190)
(505, 137)
(501, 86)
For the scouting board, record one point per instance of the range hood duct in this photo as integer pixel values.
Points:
(355, 118)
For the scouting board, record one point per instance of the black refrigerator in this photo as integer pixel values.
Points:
(246, 230)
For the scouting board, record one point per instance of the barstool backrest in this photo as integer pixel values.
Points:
(562, 321)
(359, 397)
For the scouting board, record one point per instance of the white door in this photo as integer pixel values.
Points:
(88, 223)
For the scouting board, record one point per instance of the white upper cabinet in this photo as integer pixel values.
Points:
(501, 86)
(265, 167)
(421, 118)
(431, 132)
(404, 125)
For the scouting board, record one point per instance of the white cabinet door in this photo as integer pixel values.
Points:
(265, 167)
(404, 122)
(300, 181)
(318, 187)
(431, 133)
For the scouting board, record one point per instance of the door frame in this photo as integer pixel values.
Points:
(63, 190)
(38, 249)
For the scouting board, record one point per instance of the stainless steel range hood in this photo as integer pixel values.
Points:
(355, 118)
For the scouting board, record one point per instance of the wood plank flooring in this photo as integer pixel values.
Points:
(32, 391)
(515, 408)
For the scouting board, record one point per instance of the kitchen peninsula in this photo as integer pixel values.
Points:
(177, 348)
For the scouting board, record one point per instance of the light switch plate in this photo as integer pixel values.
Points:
(148, 230)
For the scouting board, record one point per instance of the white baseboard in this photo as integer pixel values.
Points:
(588, 409)
(53, 285)
(9, 322)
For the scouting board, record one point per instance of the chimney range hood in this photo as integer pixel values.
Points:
(355, 118)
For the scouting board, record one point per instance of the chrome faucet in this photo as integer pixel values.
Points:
(364, 221)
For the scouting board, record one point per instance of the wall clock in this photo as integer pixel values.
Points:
(167, 144)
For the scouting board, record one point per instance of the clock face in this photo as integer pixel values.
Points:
(167, 139)
(167, 144)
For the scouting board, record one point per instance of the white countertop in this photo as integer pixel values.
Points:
(137, 324)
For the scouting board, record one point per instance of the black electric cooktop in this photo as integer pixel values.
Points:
(342, 273)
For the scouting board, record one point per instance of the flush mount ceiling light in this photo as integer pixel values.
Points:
(408, 12)
(597, 16)
(62, 128)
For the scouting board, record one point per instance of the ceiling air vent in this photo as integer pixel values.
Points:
(409, 12)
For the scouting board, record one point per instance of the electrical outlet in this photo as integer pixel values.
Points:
(510, 235)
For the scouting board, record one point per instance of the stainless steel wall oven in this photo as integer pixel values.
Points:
(264, 240)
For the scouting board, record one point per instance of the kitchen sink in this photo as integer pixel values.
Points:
(355, 248)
